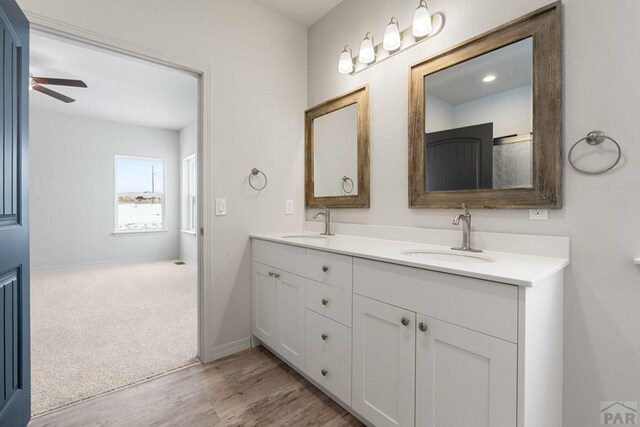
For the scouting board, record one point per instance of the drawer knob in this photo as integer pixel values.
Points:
(324, 337)
(325, 301)
(423, 326)
(277, 275)
(271, 274)
(324, 372)
(325, 268)
(404, 321)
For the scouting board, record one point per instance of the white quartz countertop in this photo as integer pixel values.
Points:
(509, 268)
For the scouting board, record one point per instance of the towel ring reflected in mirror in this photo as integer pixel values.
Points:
(255, 172)
(345, 180)
(594, 138)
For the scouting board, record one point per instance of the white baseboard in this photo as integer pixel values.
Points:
(103, 263)
(228, 349)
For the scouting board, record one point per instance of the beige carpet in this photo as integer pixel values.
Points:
(96, 329)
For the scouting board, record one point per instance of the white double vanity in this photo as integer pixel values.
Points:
(405, 334)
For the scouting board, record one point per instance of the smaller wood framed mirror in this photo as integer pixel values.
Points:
(337, 152)
(485, 119)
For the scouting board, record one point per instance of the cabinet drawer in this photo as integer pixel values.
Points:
(329, 337)
(487, 307)
(331, 269)
(329, 301)
(284, 257)
(330, 373)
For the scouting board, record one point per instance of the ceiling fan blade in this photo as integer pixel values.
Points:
(53, 93)
(59, 82)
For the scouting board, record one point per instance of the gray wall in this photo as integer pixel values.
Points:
(258, 65)
(188, 146)
(602, 289)
(72, 192)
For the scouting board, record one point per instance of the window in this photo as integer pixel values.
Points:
(189, 192)
(140, 194)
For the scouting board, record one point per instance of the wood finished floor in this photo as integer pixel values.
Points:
(249, 388)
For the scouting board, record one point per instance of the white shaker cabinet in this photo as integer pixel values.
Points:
(290, 318)
(384, 344)
(463, 377)
(278, 312)
(263, 303)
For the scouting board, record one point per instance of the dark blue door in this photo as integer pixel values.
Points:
(15, 378)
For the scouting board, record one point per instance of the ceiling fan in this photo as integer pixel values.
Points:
(35, 83)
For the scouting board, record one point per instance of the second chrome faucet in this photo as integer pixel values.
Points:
(327, 221)
(466, 230)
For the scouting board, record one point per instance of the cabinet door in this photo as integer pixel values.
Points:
(263, 304)
(463, 377)
(290, 318)
(383, 362)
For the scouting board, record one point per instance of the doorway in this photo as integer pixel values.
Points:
(115, 180)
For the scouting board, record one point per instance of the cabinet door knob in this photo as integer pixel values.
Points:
(271, 274)
(325, 301)
(404, 321)
(324, 337)
(423, 326)
(277, 275)
(325, 268)
(324, 372)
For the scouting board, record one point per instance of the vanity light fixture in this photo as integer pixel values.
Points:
(422, 25)
(393, 42)
(367, 52)
(392, 39)
(489, 78)
(345, 64)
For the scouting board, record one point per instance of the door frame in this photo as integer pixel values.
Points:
(203, 74)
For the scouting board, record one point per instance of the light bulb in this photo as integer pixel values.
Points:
(489, 78)
(392, 39)
(345, 64)
(367, 52)
(422, 21)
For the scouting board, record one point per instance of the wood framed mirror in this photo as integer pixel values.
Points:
(485, 119)
(337, 152)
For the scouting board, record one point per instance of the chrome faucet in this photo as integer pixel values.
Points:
(466, 230)
(327, 221)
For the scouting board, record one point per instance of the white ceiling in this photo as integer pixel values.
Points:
(512, 65)
(305, 12)
(119, 89)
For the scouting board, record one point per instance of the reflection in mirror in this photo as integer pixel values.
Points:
(335, 153)
(479, 122)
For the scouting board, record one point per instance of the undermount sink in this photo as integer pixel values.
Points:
(305, 236)
(449, 256)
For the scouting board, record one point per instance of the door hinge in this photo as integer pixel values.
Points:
(202, 231)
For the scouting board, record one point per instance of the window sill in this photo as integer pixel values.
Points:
(120, 233)
(192, 233)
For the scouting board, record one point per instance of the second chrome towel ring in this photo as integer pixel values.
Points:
(595, 137)
(255, 172)
(346, 179)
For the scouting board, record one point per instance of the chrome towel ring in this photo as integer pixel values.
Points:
(346, 179)
(595, 137)
(255, 172)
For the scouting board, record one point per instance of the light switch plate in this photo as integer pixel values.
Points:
(221, 207)
(288, 207)
(538, 214)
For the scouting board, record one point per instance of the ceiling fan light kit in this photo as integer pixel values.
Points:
(35, 83)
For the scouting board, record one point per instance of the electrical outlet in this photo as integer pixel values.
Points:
(221, 207)
(538, 214)
(288, 207)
